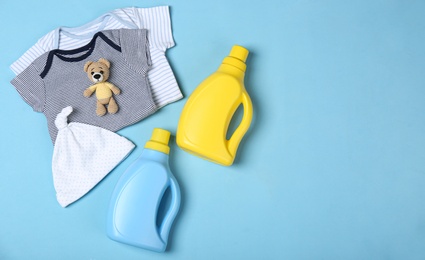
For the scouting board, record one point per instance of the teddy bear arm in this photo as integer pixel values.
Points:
(114, 89)
(89, 91)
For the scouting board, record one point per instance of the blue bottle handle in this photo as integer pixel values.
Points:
(165, 227)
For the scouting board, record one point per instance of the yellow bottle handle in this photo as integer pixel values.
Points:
(233, 143)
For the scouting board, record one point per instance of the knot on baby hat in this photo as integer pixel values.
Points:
(62, 118)
(83, 155)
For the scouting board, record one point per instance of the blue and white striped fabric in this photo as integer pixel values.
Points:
(157, 20)
(57, 79)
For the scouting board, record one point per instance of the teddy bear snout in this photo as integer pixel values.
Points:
(97, 76)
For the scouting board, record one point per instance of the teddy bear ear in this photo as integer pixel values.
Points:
(86, 66)
(105, 61)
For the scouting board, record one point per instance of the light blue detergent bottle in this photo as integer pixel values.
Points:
(136, 199)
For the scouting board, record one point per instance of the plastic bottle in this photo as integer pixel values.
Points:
(206, 115)
(136, 199)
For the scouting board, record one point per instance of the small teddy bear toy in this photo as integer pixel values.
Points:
(98, 72)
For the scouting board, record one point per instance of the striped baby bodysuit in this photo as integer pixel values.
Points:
(157, 20)
(57, 79)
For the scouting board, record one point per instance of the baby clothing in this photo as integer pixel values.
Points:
(83, 155)
(156, 19)
(57, 79)
(51, 78)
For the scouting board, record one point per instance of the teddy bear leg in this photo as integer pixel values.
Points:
(112, 106)
(100, 109)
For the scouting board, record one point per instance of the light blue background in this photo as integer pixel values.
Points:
(333, 166)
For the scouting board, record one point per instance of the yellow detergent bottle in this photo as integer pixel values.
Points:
(206, 115)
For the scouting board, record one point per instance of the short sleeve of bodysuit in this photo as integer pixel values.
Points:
(133, 50)
(43, 45)
(158, 21)
(31, 87)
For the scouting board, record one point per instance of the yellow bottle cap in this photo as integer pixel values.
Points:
(239, 52)
(237, 57)
(159, 140)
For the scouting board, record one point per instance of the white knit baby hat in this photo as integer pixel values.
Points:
(83, 155)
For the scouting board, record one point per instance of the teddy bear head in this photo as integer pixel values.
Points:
(97, 71)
